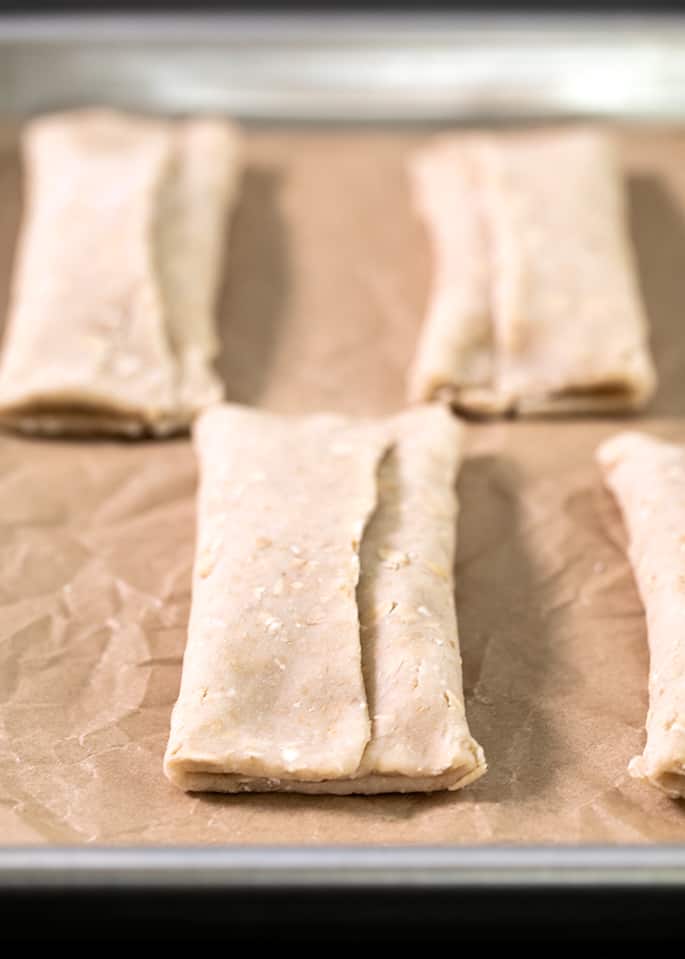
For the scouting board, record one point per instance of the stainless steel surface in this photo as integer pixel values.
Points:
(362, 69)
(345, 867)
(367, 68)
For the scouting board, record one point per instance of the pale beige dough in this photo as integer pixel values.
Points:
(535, 305)
(289, 648)
(647, 476)
(111, 326)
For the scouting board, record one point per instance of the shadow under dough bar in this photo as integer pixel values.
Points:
(322, 653)
(647, 477)
(111, 318)
(535, 306)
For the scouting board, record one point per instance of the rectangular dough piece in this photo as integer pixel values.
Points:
(536, 307)
(111, 319)
(301, 673)
(647, 477)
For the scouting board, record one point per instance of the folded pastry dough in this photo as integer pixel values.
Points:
(535, 305)
(647, 476)
(303, 673)
(111, 326)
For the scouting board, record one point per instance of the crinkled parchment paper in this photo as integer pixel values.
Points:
(326, 282)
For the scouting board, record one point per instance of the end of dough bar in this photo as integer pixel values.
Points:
(664, 772)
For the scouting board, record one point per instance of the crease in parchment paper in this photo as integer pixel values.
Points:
(551, 629)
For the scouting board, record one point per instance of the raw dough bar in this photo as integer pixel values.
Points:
(647, 476)
(535, 305)
(303, 673)
(111, 326)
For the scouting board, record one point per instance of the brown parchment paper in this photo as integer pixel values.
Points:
(326, 281)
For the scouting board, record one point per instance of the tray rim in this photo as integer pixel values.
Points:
(363, 26)
(502, 867)
(432, 69)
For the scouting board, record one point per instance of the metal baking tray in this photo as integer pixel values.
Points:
(371, 69)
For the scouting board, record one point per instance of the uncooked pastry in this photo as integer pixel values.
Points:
(647, 476)
(111, 326)
(535, 305)
(300, 674)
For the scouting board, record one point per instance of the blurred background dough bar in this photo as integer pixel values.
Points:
(535, 306)
(110, 324)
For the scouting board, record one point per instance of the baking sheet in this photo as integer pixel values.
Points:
(326, 281)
